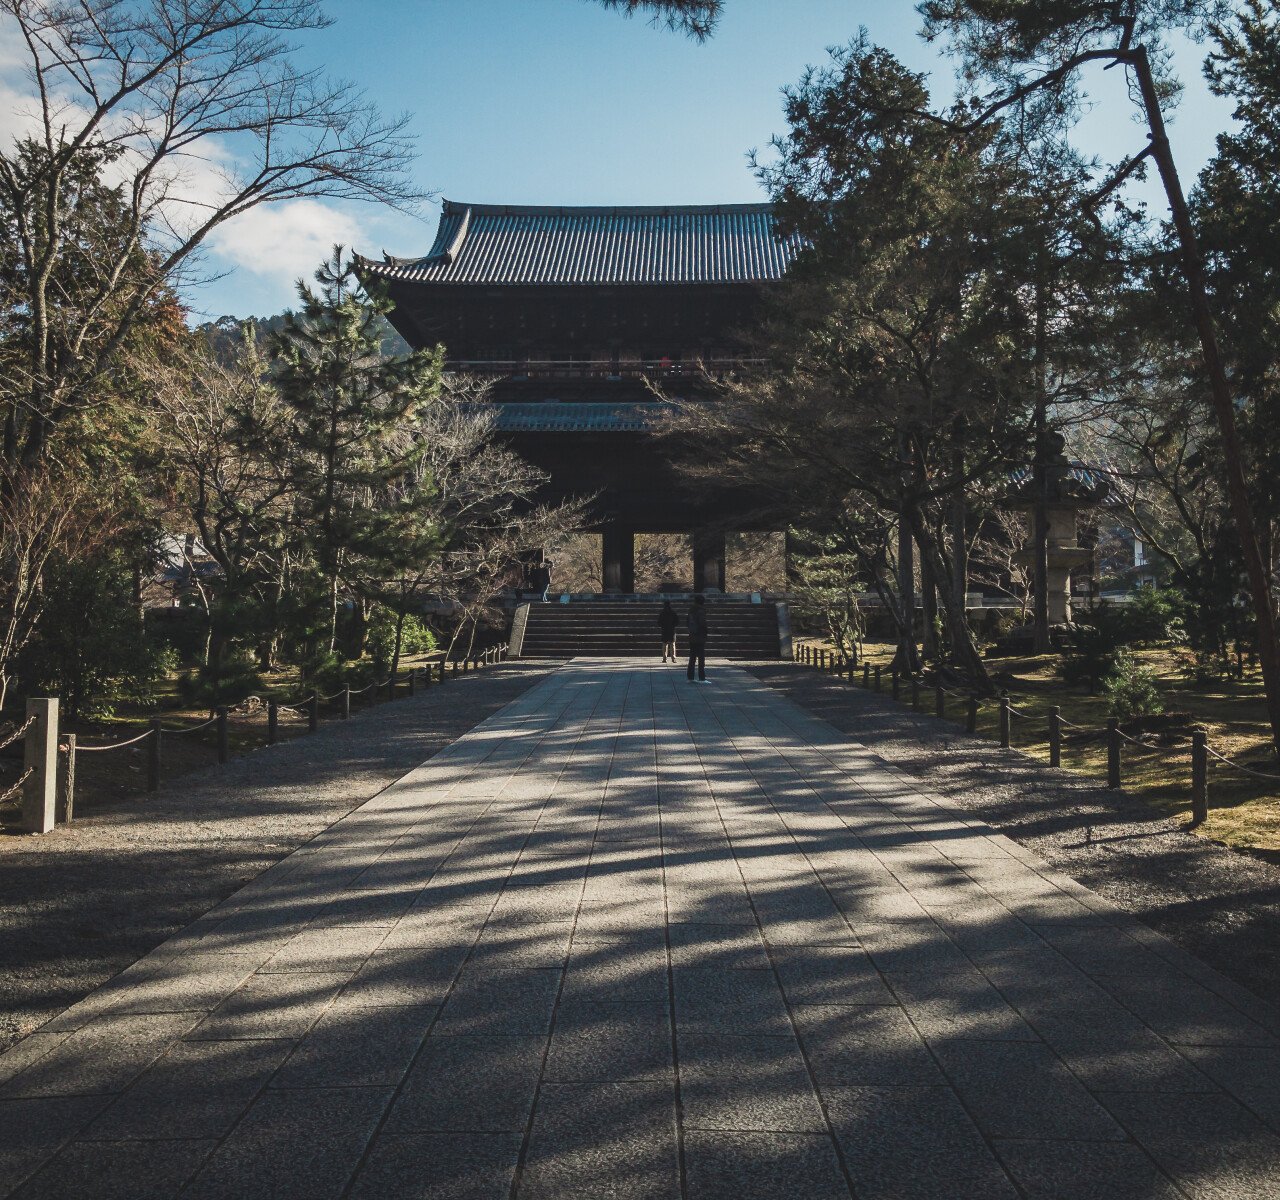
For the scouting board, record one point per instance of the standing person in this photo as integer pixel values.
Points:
(547, 567)
(540, 578)
(667, 619)
(698, 638)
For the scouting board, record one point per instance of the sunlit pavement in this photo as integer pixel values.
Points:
(633, 937)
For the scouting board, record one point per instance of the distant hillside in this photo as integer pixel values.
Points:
(224, 334)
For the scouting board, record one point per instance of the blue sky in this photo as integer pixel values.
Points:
(562, 102)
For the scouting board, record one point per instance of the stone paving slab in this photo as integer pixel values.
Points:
(632, 937)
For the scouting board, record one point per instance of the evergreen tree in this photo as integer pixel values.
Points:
(353, 422)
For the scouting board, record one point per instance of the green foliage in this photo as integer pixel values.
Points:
(1131, 688)
(1093, 648)
(181, 631)
(1098, 646)
(1152, 616)
(415, 637)
(90, 647)
(355, 462)
(1203, 668)
(826, 587)
(328, 673)
(237, 679)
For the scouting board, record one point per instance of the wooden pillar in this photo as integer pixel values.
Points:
(708, 562)
(618, 566)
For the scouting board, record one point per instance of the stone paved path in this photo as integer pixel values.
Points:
(633, 938)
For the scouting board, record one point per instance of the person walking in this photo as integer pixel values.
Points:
(698, 639)
(667, 619)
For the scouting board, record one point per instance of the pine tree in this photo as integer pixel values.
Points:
(354, 417)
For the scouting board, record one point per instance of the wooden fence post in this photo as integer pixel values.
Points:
(153, 755)
(273, 722)
(896, 682)
(1199, 777)
(40, 758)
(224, 748)
(313, 712)
(878, 685)
(67, 795)
(971, 717)
(413, 675)
(939, 701)
(866, 675)
(1006, 723)
(346, 702)
(1055, 736)
(1113, 752)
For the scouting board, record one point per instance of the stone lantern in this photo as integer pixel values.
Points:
(1066, 494)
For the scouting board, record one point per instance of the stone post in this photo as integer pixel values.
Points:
(39, 792)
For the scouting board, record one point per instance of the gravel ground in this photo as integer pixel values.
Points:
(79, 905)
(1222, 906)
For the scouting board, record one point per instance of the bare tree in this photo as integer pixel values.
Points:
(55, 512)
(477, 516)
(222, 429)
(193, 113)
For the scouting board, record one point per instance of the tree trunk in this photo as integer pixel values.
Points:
(931, 648)
(1040, 484)
(401, 613)
(1220, 390)
(906, 657)
(964, 650)
(960, 542)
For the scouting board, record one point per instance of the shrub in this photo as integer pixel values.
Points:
(328, 673)
(1132, 689)
(415, 638)
(1092, 649)
(1153, 615)
(90, 647)
(238, 678)
(184, 630)
(1203, 668)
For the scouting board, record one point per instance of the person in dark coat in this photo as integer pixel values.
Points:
(698, 639)
(540, 578)
(667, 620)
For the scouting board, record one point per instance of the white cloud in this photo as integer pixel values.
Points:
(285, 241)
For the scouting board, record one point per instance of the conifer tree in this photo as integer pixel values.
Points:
(354, 417)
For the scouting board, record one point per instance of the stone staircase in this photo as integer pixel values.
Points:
(601, 627)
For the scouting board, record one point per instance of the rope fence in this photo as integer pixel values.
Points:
(48, 801)
(1201, 753)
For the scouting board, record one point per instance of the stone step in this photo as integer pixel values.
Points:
(630, 628)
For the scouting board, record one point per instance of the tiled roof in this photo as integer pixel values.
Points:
(497, 244)
(551, 416)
